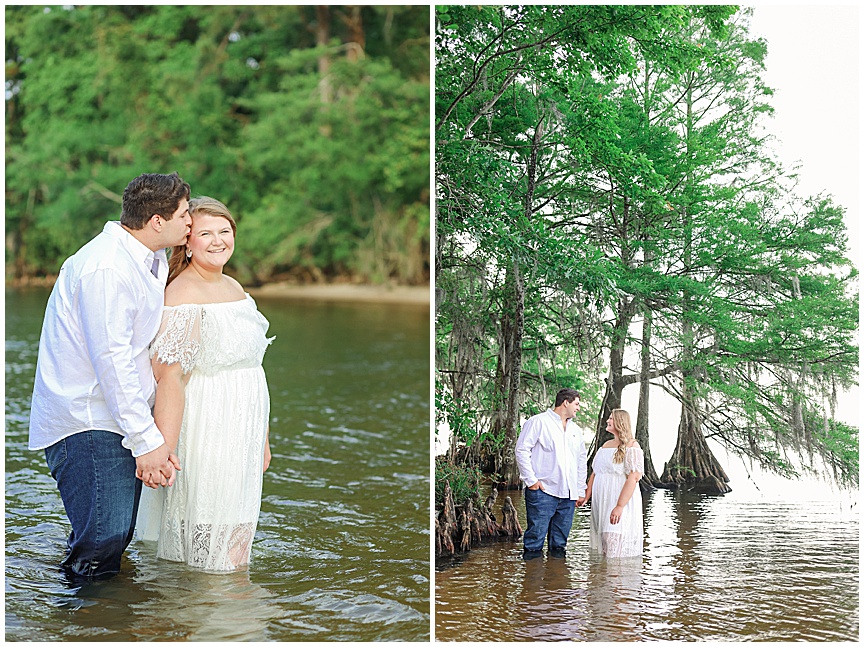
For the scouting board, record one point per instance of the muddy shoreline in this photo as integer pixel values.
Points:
(409, 295)
(344, 292)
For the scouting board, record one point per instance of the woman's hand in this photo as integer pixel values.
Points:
(615, 516)
(267, 455)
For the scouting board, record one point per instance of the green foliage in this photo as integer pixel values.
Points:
(464, 482)
(319, 150)
(614, 156)
(461, 419)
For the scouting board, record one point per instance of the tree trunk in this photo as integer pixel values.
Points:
(509, 375)
(356, 43)
(512, 328)
(642, 437)
(19, 249)
(615, 383)
(322, 39)
(692, 465)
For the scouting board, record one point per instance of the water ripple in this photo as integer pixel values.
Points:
(342, 547)
(713, 569)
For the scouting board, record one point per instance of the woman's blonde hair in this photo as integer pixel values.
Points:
(621, 420)
(178, 261)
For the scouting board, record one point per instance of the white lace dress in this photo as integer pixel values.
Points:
(208, 517)
(623, 539)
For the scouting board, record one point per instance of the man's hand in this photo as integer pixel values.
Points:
(157, 467)
(537, 486)
(581, 501)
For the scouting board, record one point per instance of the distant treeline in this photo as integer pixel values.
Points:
(310, 122)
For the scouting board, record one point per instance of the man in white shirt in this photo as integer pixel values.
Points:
(94, 388)
(553, 463)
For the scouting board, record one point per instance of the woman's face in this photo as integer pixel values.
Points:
(610, 425)
(211, 241)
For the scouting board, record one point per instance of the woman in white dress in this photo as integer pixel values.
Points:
(212, 403)
(613, 488)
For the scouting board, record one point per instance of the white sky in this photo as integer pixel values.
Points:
(814, 65)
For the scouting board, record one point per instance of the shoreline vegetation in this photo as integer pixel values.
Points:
(344, 292)
(310, 123)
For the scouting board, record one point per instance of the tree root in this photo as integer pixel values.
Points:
(462, 530)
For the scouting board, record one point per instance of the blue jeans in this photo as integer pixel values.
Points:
(547, 516)
(96, 478)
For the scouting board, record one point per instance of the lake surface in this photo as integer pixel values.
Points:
(342, 548)
(740, 567)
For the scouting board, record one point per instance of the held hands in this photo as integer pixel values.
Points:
(157, 467)
(615, 516)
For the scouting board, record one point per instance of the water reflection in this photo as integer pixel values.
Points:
(229, 607)
(552, 606)
(715, 568)
(614, 589)
(156, 602)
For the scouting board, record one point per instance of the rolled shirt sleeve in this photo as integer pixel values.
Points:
(107, 310)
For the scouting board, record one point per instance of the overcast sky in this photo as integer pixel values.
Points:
(814, 66)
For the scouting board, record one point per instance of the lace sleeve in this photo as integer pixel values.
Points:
(634, 460)
(179, 337)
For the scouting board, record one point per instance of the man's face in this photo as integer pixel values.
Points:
(572, 408)
(176, 230)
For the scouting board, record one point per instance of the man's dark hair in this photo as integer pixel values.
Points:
(149, 194)
(565, 395)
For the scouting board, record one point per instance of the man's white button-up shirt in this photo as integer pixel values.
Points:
(93, 370)
(553, 455)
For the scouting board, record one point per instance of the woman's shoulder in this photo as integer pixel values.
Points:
(234, 283)
(235, 287)
(613, 444)
(181, 291)
(187, 289)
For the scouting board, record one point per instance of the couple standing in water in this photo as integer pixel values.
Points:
(553, 463)
(139, 384)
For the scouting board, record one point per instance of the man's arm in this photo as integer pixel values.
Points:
(107, 310)
(527, 439)
(581, 469)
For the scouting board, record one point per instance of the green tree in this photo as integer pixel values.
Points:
(229, 97)
(582, 187)
(516, 108)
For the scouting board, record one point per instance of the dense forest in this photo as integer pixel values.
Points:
(610, 214)
(310, 122)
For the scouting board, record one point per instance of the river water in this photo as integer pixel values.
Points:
(745, 566)
(342, 548)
